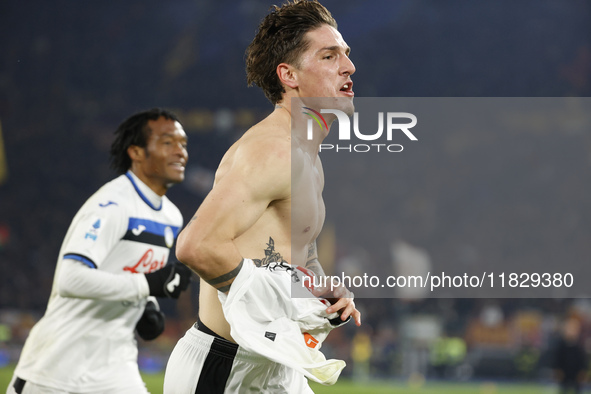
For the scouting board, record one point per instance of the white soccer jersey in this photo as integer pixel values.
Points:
(288, 331)
(85, 345)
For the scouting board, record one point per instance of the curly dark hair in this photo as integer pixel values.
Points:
(280, 39)
(134, 131)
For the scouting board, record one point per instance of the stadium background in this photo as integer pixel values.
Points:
(71, 71)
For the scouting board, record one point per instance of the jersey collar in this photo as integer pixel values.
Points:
(149, 196)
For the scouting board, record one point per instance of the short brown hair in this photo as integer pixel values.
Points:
(280, 39)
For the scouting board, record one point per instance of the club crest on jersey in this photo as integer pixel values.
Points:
(168, 236)
(93, 232)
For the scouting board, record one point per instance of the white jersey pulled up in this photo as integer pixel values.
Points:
(290, 329)
(85, 345)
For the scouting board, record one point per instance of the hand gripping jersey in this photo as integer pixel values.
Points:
(88, 344)
(271, 314)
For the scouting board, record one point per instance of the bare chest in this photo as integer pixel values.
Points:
(307, 206)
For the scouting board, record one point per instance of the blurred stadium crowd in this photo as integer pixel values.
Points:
(71, 71)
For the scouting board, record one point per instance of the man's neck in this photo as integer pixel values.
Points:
(307, 135)
(159, 189)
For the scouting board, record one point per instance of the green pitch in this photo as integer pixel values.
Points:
(348, 387)
(154, 383)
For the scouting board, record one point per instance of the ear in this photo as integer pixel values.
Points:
(136, 153)
(287, 75)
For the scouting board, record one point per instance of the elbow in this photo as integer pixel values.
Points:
(62, 290)
(188, 257)
(63, 287)
(195, 254)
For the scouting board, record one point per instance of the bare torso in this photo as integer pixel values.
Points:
(287, 227)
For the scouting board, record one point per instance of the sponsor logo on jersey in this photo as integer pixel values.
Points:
(151, 232)
(107, 204)
(138, 230)
(147, 263)
(311, 342)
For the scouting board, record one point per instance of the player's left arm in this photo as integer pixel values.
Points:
(345, 303)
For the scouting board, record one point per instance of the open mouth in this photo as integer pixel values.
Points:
(347, 87)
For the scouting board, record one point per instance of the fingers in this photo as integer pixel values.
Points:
(350, 310)
(357, 316)
(342, 303)
(347, 308)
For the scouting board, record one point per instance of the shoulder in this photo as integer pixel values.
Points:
(112, 196)
(264, 150)
(269, 140)
(262, 154)
(259, 163)
(118, 186)
(105, 208)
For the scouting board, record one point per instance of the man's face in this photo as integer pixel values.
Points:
(325, 69)
(165, 154)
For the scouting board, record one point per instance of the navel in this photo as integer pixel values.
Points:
(307, 229)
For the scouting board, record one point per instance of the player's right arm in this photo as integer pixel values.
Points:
(257, 173)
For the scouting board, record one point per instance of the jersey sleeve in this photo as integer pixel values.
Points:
(77, 281)
(94, 232)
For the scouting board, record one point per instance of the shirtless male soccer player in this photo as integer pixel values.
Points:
(297, 53)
